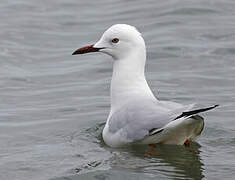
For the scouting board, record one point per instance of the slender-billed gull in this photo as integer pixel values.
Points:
(136, 115)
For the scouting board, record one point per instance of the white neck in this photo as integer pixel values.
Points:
(128, 80)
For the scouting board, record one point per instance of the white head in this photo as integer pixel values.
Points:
(126, 45)
(119, 41)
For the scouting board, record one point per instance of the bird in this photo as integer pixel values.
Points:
(136, 115)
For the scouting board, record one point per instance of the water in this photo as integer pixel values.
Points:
(54, 105)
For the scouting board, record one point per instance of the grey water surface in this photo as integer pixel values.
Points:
(53, 105)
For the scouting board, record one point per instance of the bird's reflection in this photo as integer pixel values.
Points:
(168, 161)
(173, 161)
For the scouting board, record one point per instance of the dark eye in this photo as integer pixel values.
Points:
(115, 40)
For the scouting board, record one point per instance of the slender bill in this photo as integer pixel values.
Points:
(86, 49)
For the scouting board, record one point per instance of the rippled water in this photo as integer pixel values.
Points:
(53, 105)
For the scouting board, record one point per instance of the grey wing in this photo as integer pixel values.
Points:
(137, 119)
(147, 117)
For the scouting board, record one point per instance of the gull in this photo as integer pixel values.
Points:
(136, 115)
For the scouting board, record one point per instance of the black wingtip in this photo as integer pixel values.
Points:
(153, 131)
(193, 112)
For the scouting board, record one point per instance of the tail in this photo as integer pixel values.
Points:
(194, 112)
